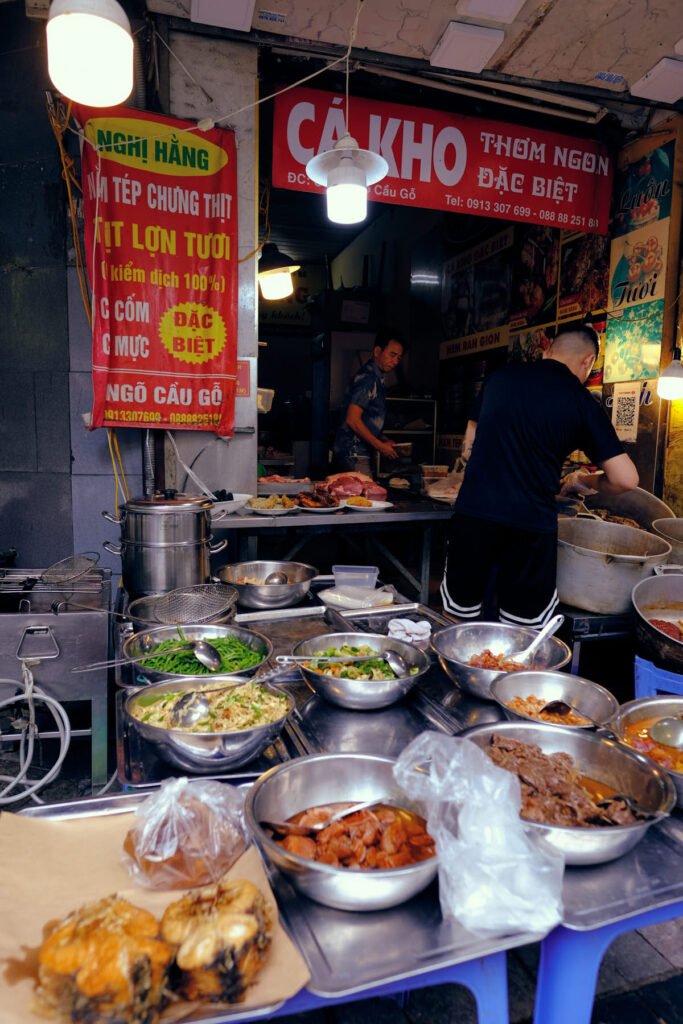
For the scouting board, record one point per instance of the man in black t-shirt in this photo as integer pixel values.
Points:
(530, 417)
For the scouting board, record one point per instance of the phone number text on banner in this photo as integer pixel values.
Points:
(443, 161)
(160, 207)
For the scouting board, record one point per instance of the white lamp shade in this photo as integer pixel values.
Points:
(276, 285)
(670, 383)
(90, 51)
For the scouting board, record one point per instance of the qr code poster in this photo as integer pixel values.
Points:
(625, 408)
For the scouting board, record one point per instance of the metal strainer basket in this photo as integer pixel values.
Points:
(68, 570)
(193, 605)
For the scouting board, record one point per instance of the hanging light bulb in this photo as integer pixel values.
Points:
(346, 171)
(275, 271)
(670, 383)
(90, 51)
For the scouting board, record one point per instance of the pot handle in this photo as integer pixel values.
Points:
(217, 516)
(215, 548)
(110, 517)
(669, 569)
(114, 549)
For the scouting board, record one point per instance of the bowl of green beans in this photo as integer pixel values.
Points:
(242, 651)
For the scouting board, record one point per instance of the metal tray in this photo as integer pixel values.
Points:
(345, 952)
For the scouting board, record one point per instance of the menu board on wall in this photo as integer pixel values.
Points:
(584, 275)
(475, 287)
(535, 275)
(642, 207)
(160, 215)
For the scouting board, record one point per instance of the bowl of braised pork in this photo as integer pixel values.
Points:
(375, 858)
(473, 654)
(590, 797)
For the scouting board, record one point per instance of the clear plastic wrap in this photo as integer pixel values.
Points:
(494, 876)
(188, 833)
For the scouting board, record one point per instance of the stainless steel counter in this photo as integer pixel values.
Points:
(413, 514)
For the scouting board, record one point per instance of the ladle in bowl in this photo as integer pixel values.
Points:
(394, 660)
(668, 731)
(289, 828)
(549, 629)
(205, 653)
(276, 577)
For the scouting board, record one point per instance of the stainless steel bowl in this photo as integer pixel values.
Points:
(328, 778)
(203, 752)
(605, 761)
(271, 595)
(134, 646)
(362, 694)
(651, 707)
(455, 645)
(583, 694)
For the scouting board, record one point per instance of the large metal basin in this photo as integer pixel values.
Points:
(204, 752)
(598, 564)
(671, 530)
(637, 504)
(659, 597)
(455, 645)
(587, 697)
(330, 778)
(271, 595)
(137, 645)
(652, 707)
(362, 694)
(606, 761)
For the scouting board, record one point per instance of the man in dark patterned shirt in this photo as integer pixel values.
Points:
(364, 409)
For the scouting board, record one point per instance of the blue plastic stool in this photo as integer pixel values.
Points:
(650, 681)
(570, 961)
(485, 977)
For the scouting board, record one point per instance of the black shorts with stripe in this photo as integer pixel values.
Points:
(526, 564)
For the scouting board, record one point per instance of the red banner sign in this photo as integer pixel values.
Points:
(160, 203)
(443, 161)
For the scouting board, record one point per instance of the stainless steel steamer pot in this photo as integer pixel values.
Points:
(165, 542)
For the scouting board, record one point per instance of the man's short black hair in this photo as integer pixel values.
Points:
(585, 331)
(386, 335)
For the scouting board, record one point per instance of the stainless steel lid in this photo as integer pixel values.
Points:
(169, 501)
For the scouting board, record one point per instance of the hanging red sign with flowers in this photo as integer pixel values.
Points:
(160, 209)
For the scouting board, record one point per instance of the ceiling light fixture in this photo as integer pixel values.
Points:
(90, 51)
(275, 271)
(663, 82)
(346, 170)
(670, 383)
(491, 10)
(466, 47)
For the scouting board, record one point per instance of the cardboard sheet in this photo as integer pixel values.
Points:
(50, 868)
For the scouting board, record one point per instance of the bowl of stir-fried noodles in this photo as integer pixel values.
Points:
(361, 685)
(244, 717)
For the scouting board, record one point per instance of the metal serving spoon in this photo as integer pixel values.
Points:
(561, 707)
(288, 828)
(204, 652)
(276, 577)
(394, 660)
(550, 627)
(668, 731)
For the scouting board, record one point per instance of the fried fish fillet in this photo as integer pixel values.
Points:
(104, 963)
(222, 933)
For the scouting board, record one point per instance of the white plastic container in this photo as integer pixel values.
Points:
(355, 576)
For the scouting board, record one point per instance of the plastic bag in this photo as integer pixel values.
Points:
(494, 877)
(357, 597)
(188, 833)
